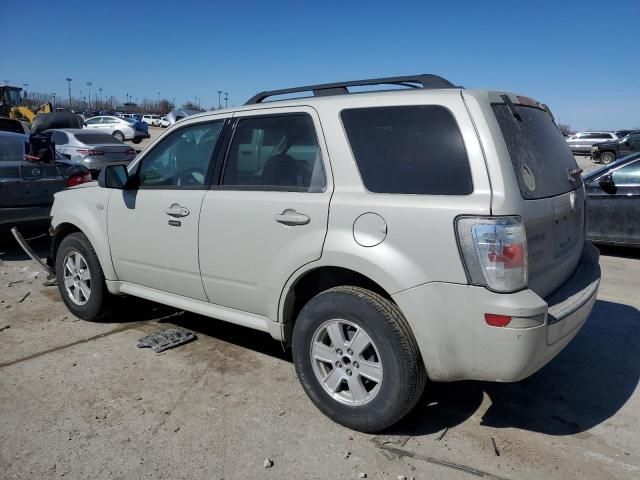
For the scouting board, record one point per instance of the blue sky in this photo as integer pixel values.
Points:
(581, 58)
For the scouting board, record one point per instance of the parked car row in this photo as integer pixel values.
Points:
(585, 143)
(121, 128)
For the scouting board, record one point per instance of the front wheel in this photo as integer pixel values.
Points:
(119, 135)
(607, 157)
(357, 359)
(80, 278)
(136, 140)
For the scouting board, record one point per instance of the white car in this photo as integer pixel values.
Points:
(121, 128)
(163, 122)
(153, 120)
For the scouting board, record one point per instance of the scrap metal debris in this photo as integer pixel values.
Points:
(165, 339)
(25, 297)
(444, 432)
(268, 463)
(5, 327)
(495, 447)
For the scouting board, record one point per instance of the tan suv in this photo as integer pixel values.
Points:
(389, 237)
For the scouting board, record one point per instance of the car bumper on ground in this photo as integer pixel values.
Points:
(457, 344)
(19, 215)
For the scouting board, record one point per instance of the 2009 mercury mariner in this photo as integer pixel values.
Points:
(424, 233)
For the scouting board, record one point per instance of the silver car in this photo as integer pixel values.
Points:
(581, 142)
(92, 149)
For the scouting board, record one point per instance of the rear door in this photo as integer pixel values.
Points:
(613, 209)
(268, 215)
(547, 194)
(630, 145)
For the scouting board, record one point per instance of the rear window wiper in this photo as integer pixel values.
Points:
(511, 106)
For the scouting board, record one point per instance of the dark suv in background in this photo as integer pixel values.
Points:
(608, 152)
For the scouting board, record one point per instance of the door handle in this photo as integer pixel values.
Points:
(290, 217)
(176, 210)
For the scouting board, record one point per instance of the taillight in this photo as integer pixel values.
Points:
(494, 250)
(89, 152)
(78, 178)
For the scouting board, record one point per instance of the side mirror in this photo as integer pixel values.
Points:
(626, 142)
(606, 183)
(113, 176)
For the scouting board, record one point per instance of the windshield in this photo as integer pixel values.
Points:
(12, 148)
(539, 153)
(11, 97)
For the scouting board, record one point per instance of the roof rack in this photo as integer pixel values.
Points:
(426, 81)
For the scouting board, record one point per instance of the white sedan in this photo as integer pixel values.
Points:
(121, 128)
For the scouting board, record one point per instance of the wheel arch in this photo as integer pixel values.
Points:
(316, 279)
(100, 244)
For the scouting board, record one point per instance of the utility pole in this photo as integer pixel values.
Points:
(226, 99)
(54, 100)
(69, 80)
(26, 94)
(219, 104)
(101, 105)
(89, 85)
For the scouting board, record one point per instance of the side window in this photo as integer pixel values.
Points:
(93, 121)
(59, 138)
(277, 152)
(629, 175)
(182, 159)
(634, 139)
(408, 149)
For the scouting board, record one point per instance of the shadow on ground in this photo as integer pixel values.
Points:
(586, 384)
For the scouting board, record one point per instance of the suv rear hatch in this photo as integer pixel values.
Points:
(549, 183)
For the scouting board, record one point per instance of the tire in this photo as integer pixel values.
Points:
(136, 140)
(77, 249)
(390, 347)
(607, 157)
(119, 135)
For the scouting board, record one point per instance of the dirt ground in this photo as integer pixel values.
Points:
(80, 400)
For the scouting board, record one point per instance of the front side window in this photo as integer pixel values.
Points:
(629, 175)
(409, 149)
(634, 139)
(59, 138)
(181, 160)
(277, 152)
(93, 121)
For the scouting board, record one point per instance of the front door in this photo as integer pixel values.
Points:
(153, 229)
(268, 215)
(630, 145)
(613, 209)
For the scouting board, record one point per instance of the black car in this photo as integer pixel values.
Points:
(613, 202)
(607, 152)
(30, 173)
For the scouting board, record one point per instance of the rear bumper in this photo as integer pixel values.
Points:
(457, 344)
(93, 163)
(10, 216)
(141, 135)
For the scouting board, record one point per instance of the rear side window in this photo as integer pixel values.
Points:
(408, 149)
(539, 153)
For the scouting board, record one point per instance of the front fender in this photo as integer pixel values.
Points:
(86, 210)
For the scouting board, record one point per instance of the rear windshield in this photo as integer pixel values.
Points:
(539, 153)
(96, 138)
(408, 149)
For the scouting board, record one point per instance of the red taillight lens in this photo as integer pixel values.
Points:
(495, 320)
(89, 152)
(78, 178)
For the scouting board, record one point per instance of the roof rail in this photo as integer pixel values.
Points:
(426, 80)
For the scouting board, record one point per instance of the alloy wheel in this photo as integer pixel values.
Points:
(77, 278)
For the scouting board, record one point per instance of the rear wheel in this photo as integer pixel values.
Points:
(136, 140)
(357, 359)
(119, 135)
(607, 157)
(80, 278)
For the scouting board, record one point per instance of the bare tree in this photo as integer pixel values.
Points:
(565, 129)
(191, 106)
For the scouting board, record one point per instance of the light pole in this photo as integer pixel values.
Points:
(89, 85)
(226, 99)
(69, 81)
(101, 105)
(219, 104)
(53, 95)
(26, 94)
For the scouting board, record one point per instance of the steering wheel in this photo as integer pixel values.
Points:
(191, 176)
